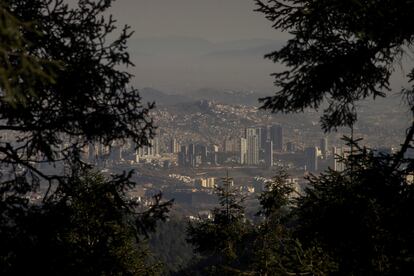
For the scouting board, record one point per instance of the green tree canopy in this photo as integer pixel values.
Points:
(17, 65)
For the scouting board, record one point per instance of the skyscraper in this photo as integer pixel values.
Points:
(250, 131)
(260, 135)
(152, 150)
(174, 146)
(264, 136)
(243, 151)
(213, 154)
(231, 145)
(182, 156)
(192, 155)
(252, 146)
(324, 146)
(276, 135)
(201, 153)
(268, 153)
(311, 159)
(338, 154)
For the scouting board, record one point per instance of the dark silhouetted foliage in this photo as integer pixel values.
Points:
(275, 250)
(221, 240)
(341, 51)
(62, 87)
(86, 97)
(89, 227)
(168, 244)
(229, 244)
(361, 216)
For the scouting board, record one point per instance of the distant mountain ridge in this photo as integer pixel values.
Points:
(254, 52)
(209, 94)
(194, 46)
(183, 63)
(159, 46)
(160, 98)
(227, 96)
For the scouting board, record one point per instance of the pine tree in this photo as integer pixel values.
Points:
(220, 240)
(63, 86)
(276, 251)
(342, 52)
(90, 227)
(361, 216)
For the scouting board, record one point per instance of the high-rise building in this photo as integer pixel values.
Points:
(231, 145)
(252, 146)
(192, 155)
(155, 146)
(174, 146)
(182, 156)
(338, 154)
(276, 135)
(213, 154)
(268, 153)
(311, 159)
(264, 136)
(152, 150)
(260, 135)
(243, 151)
(201, 153)
(250, 131)
(324, 146)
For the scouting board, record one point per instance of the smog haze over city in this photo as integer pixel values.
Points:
(185, 45)
(203, 65)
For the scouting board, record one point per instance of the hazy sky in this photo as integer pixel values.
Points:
(160, 65)
(178, 62)
(216, 20)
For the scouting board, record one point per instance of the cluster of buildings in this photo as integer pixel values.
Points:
(321, 158)
(262, 146)
(195, 155)
(257, 146)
